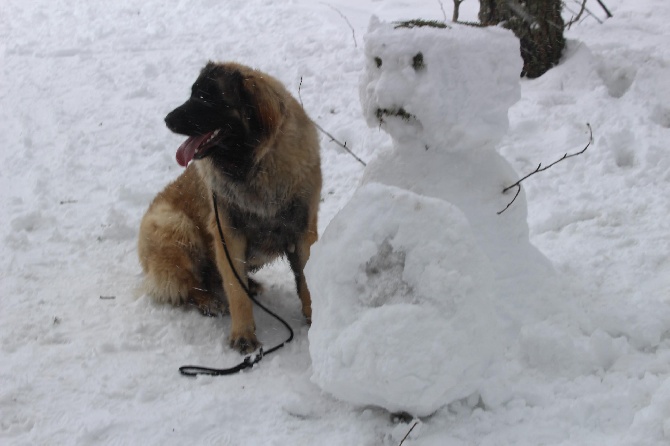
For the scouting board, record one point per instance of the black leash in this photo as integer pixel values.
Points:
(249, 361)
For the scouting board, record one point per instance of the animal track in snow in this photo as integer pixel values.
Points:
(617, 79)
(661, 116)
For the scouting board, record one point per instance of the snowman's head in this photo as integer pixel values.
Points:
(449, 87)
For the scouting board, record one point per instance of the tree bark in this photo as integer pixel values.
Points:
(538, 25)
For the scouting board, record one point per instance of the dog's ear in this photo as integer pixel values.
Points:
(209, 66)
(267, 102)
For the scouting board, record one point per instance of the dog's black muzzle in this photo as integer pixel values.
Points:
(193, 117)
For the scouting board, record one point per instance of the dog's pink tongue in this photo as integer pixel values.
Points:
(186, 151)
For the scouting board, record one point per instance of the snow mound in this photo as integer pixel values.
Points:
(402, 303)
(418, 282)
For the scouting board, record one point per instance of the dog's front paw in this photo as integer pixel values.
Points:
(213, 309)
(209, 305)
(244, 343)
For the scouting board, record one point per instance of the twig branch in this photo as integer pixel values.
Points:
(408, 432)
(332, 138)
(353, 32)
(444, 14)
(607, 11)
(566, 156)
(344, 146)
(588, 11)
(576, 18)
(541, 169)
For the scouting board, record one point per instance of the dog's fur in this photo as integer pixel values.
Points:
(265, 170)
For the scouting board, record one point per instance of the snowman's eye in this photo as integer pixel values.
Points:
(378, 62)
(417, 62)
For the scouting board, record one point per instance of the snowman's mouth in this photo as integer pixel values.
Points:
(399, 112)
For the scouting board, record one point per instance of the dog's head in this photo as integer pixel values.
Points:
(232, 111)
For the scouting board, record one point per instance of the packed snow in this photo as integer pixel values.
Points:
(88, 360)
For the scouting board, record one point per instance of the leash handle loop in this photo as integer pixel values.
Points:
(249, 361)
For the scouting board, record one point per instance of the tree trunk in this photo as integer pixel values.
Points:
(538, 25)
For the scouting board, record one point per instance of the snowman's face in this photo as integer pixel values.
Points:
(442, 88)
(396, 110)
(394, 88)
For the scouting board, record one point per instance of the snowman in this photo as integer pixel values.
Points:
(415, 280)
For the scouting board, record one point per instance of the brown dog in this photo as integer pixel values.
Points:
(254, 147)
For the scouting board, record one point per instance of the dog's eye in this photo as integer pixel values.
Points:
(202, 95)
(378, 62)
(203, 92)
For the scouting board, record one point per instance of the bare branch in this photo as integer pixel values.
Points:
(332, 138)
(576, 18)
(607, 11)
(588, 11)
(353, 32)
(518, 191)
(444, 14)
(566, 156)
(541, 169)
(408, 432)
(344, 146)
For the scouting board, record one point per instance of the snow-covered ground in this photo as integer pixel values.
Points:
(84, 87)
